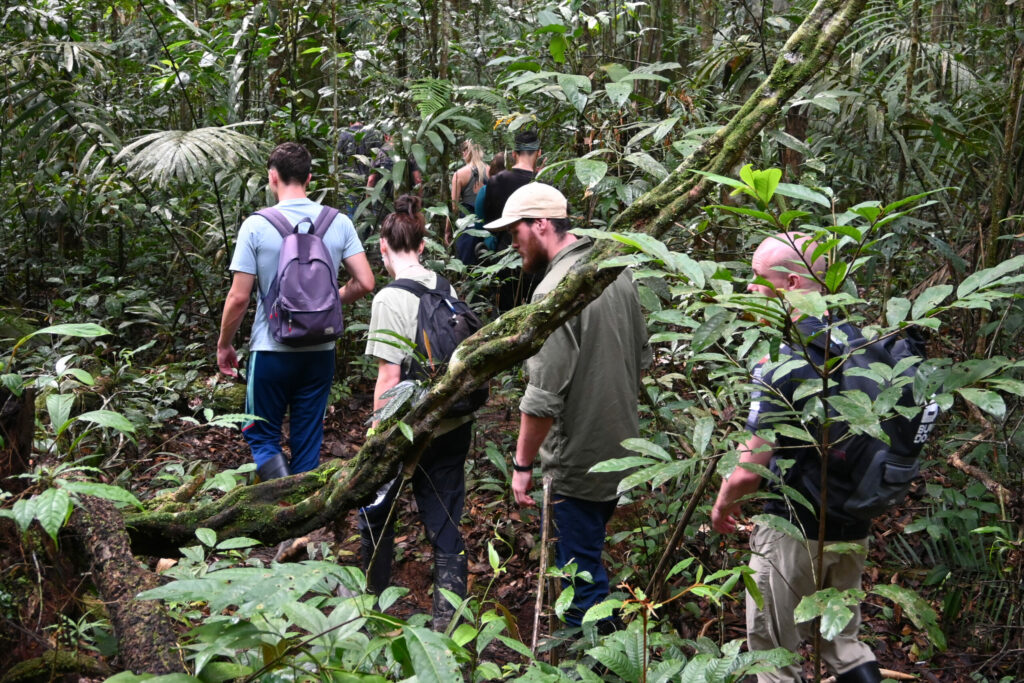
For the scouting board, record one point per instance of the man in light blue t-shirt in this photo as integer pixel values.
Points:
(285, 378)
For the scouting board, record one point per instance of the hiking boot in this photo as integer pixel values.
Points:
(275, 468)
(450, 572)
(378, 577)
(865, 673)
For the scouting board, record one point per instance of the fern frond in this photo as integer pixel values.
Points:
(431, 95)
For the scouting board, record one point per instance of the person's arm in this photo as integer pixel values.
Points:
(726, 512)
(449, 230)
(388, 375)
(532, 432)
(235, 305)
(361, 280)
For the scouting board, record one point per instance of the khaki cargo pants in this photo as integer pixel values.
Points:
(784, 574)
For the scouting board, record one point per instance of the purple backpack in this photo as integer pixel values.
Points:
(303, 306)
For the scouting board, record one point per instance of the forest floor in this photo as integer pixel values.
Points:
(491, 516)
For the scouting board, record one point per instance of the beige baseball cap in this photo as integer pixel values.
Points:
(535, 200)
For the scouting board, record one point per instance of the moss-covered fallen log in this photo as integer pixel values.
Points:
(284, 508)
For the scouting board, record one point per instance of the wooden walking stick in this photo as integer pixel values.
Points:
(545, 535)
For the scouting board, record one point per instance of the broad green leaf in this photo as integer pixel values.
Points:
(846, 549)
(929, 299)
(52, 508)
(805, 193)
(619, 92)
(988, 401)
(106, 491)
(575, 90)
(702, 432)
(82, 376)
(779, 524)
(808, 302)
(711, 330)
(896, 310)
(207, 537)
(85, 330)
(916, 609)
(720, 179)
(406, 431)
(648, 164)
(646, 447)
(787, 217)
(557, 46)
(564, 601)
(601, 610)
(237, 543)
(986, 277)
(108, 418)
(493, 558)
(763, 182)
(744, 211)
(836, 274)
(58, 406)
(832, 606)
(620, 464)
(24, 511)
(590, 171)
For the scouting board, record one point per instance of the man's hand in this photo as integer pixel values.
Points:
(227, 360)
(725, 519)
(522, 482)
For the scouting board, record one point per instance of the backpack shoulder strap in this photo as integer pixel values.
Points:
(442, 285)
(324, 221)
(278, 220)
(410, 286)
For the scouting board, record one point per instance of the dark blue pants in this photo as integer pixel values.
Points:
(296, 382)
(439, 485)
(581, 527)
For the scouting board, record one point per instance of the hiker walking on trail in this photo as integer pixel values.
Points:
(282, 377)
(515, 286)
(581, 397)
(466, 183)
(439, 480)
(786, 567)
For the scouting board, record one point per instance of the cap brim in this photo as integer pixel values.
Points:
(501, 223)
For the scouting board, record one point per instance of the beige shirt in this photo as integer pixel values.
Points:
(587, 377)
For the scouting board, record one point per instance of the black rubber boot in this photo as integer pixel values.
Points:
(275, 468)
(378, 577)
(865, 673)
(450, 572)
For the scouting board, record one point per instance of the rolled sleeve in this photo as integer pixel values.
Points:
(540, 403)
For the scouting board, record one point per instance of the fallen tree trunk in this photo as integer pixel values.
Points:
(296, 505)
(146, 635)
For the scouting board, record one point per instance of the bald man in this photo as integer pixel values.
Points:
(785, 567)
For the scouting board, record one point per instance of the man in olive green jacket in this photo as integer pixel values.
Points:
(581, 399)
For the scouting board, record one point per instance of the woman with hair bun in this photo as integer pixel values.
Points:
(439, 481)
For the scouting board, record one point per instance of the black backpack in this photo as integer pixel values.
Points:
(866, 476)
(442, 323)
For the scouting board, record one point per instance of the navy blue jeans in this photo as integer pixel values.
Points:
(298, 383)
(581, 528)
(439, 485)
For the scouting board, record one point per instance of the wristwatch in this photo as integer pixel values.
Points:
(521, 468)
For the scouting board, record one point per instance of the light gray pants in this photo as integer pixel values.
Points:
(785, 570)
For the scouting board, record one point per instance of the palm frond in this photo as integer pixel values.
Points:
(189, 155)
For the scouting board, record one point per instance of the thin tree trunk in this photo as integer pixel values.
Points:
(992, 248)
